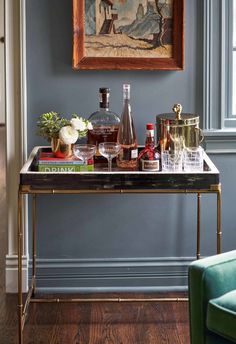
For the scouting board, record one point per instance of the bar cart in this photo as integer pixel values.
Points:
(100, 181)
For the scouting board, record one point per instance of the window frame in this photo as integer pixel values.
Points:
(233, 41)
(227, 48)
(219, 123)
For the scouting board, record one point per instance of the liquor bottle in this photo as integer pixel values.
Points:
(128, 156)
(105, 122)
(149, 157)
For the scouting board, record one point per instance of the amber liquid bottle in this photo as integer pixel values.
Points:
(105, 122)
(149, 158)
(128, 156)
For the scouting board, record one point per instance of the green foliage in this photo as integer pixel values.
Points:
(49, 125)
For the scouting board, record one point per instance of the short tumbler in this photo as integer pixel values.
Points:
(172, 161)
(193, 159)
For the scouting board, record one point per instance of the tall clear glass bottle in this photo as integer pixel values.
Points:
(127, 158)
(105, 122)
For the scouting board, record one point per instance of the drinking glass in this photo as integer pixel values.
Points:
(109, 150)
(84, 152)
(193, 159)
(172, 161)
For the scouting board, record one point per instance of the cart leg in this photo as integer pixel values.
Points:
(34, 244)
(198, 224)
(20, 248)
(219, 233)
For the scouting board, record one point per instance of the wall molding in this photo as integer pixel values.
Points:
(131, 274)
(2, 66)
(16, 129)
(220, 141)
(12, 273)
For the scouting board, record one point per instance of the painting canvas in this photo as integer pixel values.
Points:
(134, 34)
(128, 28)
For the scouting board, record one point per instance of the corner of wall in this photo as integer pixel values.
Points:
(12, 274)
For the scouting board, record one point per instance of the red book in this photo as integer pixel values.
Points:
(48, 158)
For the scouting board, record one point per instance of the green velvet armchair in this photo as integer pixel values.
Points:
(212, 299)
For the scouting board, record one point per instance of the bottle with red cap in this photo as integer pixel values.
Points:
(149, 158)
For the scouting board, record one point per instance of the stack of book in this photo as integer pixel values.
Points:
(48, 163)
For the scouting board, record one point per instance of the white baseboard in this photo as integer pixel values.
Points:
(12, 274)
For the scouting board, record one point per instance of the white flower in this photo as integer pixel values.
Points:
(89, 125)
(68, 134)
(78, 124)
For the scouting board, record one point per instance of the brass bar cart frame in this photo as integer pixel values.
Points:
(35, 189)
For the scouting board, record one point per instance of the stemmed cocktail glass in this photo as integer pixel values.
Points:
(84, 152)
(109, 150)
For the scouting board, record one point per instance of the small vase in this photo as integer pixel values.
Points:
(61, 149)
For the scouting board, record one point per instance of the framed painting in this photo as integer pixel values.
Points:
(128, 34)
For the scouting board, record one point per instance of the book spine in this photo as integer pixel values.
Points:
(61, 163)
(63, 168)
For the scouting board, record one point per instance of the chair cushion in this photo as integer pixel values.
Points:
(221, 315)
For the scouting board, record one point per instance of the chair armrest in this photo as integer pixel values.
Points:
(208, 278)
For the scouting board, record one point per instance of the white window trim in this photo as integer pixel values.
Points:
(228, 120)
(219, 128)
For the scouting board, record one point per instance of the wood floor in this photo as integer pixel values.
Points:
(97, 323)
(90, 323)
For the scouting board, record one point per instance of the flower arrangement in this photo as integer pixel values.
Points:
(52, 126)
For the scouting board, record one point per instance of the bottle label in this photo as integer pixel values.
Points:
(150, 165)
(103, 130)
(134, 154)
(128, 154)
(150, 133)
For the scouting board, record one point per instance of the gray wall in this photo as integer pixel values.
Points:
(117, 241)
